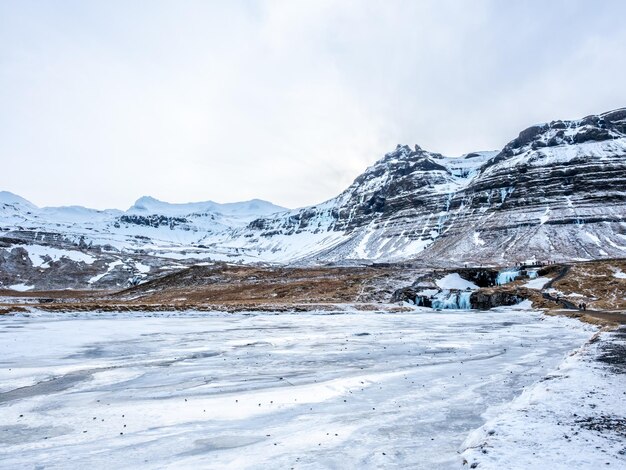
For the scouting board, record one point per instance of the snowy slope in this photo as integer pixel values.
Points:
(391, 212)
(557, 191)
(252, 208)
(9, 199)
(150, 238)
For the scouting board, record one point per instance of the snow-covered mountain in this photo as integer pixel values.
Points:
(240, 210)
(76, 246)
(390, 212)
(557, 191)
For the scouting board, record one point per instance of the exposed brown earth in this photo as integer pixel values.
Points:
(595, 317)
(597, 283)
(225, 287)
(228, 283)
(592, 282)
(234, 288)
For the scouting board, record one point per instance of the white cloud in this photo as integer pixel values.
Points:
(282, 100)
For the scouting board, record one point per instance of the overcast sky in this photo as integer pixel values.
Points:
(102, 102)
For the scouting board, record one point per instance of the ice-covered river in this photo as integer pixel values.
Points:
(355, 390)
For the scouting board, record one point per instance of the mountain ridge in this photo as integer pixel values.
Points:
(553, 192)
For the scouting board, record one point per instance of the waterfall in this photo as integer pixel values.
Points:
(504, 277)
(464, 300)
(455, 300)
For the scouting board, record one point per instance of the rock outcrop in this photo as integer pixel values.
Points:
(485, 299)
(555, 192)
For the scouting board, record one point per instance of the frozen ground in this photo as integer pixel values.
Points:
(573, 418)
(356, 390)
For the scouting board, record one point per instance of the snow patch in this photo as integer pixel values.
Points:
(619, 274)
(21, 287)
(477, 240)
(455, 281)
(111, 267)
(142, 268)
(593, 238)
(615, 245)
(537, 283)
(38, 253)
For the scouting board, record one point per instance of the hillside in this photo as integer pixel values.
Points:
(556, 192)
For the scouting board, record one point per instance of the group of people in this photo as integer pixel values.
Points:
(534, 263)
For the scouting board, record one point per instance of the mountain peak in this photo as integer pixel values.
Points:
(406, 150)
(149, 204)
(596, 127)
(7, 197)
(146, 199)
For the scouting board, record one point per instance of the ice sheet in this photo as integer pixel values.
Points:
(185, 390)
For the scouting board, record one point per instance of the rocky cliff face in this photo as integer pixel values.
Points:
(392, 211)
(556, 192)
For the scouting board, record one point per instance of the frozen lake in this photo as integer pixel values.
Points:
(355, 390)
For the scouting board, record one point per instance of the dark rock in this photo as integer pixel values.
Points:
(404, 294)
(484, 299)
(154, 220)
(482, 277)
(592, 133)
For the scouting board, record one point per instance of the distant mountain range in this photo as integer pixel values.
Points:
(556, 192)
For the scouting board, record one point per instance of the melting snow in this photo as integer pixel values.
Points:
(619, 274)
(21, 287)
(537, 283)
(454, 281)
(36, 253)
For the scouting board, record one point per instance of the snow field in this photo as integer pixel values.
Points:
(355, 390)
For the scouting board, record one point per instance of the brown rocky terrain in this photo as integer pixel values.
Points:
(228, 287)
(597, 283)
(232, 287)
